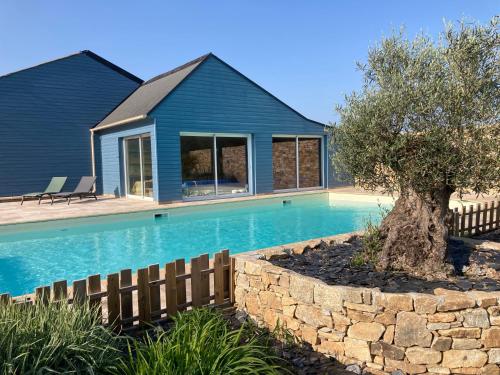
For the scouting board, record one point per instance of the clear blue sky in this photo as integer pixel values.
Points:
(304, 52)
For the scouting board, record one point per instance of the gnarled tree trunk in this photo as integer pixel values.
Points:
(415, 233)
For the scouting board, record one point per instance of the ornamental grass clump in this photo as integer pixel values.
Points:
(371, 241)
(200, 342)
(55, 338)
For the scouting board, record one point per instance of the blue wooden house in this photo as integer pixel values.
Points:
(204, 130)
(200, 131)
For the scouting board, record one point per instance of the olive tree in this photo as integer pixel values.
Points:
(424, 125)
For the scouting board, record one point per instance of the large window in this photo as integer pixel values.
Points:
(214, 165)
(296, 162)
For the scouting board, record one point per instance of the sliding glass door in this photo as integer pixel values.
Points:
(232, 165)
(138, 166)
(198, 168)
(297, 162)
(214, 165)
(133, 166)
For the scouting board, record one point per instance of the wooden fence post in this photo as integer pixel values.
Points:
(497, 221)
(127, 308)
(154, 291)
(171, 289)
(485, 216)
(219, 278)
(232, 280)
(60, 290)
(113, 291)
(478, 217)
(4, 298)
(456, 222)
(471, 210)
(491, 223)
(94, 285)
(143, 296)
(79, 291)
(225, 262)
(180, 269)
(462, 222)
(42, 294)
(195, 282)
(205, 279)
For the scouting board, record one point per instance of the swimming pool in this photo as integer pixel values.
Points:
(32, 255)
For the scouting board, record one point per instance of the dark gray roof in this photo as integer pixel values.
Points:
(150, 93)
(90, 54)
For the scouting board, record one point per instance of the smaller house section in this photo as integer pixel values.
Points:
(204, 130)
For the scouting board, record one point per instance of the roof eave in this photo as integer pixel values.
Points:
(120, 122)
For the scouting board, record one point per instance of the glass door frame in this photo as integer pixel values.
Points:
(297, 161)
(141, 162)
(249, 164)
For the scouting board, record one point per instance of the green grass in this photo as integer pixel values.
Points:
(56, 338)
(200, 342)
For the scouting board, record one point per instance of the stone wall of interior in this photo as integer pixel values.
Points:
(448, 332)
(234, 163)
(309, 162)
(198, 163)
(285, 165)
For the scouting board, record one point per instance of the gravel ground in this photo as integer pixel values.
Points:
(476, 269)
(298, 358)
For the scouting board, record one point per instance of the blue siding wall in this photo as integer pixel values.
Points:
(216, 98)
(109, 157)
(45, 116)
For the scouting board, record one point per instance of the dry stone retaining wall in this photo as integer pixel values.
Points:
(446, 333)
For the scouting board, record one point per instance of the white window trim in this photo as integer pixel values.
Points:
(249, 166)
(125, 167)
(297, 161)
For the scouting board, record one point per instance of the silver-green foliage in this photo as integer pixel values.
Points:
(428, 116)
(200, 343)
(55, 338)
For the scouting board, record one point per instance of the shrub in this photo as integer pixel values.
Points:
(55, 338)
(371, 241)
(200, 342)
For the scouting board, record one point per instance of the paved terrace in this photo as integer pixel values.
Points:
(12, 212)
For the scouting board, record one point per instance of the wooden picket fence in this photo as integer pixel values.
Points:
(130, 302)
(475, 219)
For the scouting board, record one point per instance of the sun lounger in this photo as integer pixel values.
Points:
(84, 189)
(55, 186)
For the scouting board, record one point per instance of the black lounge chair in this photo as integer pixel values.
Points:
(83, 189)
(54, 187)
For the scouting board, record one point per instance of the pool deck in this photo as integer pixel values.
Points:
(13, 213)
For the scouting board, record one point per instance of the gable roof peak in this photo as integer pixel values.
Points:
(87, 53)
(148, 95)
(180, 67)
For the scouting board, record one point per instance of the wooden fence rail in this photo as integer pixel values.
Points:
(477, 219)
(153, 295)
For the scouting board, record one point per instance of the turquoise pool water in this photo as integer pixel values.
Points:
(35, 255)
